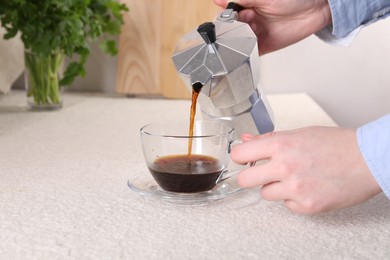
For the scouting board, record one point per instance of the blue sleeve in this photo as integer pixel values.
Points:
(349, 16)
(374, 142)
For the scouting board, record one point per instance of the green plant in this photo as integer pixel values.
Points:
(64, 27)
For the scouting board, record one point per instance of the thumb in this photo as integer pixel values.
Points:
(221, 3)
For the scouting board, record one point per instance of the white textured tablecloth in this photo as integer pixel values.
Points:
(63, 193)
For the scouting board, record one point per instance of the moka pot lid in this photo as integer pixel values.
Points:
(218, 47)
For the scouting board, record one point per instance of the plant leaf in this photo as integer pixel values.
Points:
(109, 47)
(68, 26)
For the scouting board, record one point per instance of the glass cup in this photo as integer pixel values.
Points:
(174, 167)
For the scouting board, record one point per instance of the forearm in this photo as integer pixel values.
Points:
(374, 143)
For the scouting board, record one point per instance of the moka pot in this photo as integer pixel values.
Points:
(222, 56)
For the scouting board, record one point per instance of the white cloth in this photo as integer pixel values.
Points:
(64, 194)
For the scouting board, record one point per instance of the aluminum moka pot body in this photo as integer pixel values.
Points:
(223, 57)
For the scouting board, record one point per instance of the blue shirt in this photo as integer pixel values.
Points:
(348, 17)
(374, 142)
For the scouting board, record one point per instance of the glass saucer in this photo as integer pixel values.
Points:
(146, 186)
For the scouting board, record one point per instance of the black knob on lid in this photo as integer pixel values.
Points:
(207, 31)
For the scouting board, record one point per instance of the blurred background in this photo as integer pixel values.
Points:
(351, 83)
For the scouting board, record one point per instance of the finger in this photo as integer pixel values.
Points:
(260, 147)
(274, 191)
(266, 135)
(251, 151)
(243, 3)
(296, 207)
(245, 137)
(258, 175)
(221, 3)
(300, 208)
(293, 205)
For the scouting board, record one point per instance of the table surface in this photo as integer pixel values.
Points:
(64, 194)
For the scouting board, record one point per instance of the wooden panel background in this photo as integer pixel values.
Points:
(149, 35)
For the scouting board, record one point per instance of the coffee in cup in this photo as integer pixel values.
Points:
(165, 148)
(178, 173)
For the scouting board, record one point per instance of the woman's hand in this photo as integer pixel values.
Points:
(280, 23)
(314, 169)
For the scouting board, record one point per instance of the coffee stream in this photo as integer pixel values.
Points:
(196, 88)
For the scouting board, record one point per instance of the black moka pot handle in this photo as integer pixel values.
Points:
(236, 7)
(207, 30)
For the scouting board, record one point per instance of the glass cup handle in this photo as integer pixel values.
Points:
(226, 174)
